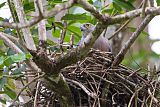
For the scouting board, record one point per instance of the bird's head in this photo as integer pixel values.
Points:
(86, 29)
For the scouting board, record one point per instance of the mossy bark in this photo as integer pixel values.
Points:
(61, 88)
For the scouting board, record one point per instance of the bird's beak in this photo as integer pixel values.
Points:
(81, 28)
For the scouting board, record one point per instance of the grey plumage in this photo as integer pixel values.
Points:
(101, 43)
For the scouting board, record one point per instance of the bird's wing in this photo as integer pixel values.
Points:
(102, 44)
(81, 42)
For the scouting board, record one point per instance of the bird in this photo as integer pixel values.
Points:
(101, 43)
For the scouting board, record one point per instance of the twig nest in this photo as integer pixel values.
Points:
(93, 82)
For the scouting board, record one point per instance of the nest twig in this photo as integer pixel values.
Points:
(95, 84)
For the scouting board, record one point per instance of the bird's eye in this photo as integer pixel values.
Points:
(87, 25)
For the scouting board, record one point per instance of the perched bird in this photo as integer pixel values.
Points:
(101, 43)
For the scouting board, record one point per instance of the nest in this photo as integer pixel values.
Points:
(95, 84)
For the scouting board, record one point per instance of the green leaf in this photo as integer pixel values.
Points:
(75, 17)
(8, 61)
(131, 1)
(28, 56)
(3, 101)
(1, 60)
(2, 82)
(1, 18)
(15, 58)
(56, 33)
(28, 6)
(57, 1)
(67, 38)
(59, 24)
(124, 4)
(72, 29)
(112, 9)
(2, 92)
(10, 52)
(90, 1)
(75, 30)
(1, 42)
(2, 4)
(109, 11)
(50, 42)
(17, 72)
(10, 92)
(18, 57)
(158, 2)
(2, 52)
(34, 31)
(117, 8)
(10, 83)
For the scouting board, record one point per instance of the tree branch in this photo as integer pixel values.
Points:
(41, 25)
(91, 94)
(58, 8)
(144, 7)
(119, 29)
(62, 35)
(22, 19)
(41, 76)
(35, 20)
(129, 43)
(88, 7)
(118, 18)
(151, 3)
(133, 14)
(60, 86)
(4, 36)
